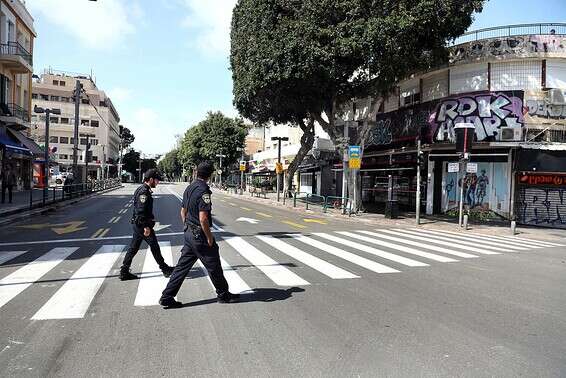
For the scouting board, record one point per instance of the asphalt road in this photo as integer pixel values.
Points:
(316, 302)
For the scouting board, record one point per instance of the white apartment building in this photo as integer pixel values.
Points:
(98, 119)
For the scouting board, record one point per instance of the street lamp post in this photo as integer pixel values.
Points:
(241, 171)
(220, 156)
(47, 112)
(279, 139)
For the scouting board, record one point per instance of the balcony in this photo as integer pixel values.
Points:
(508, 31)
(14, 115)
(14, 57)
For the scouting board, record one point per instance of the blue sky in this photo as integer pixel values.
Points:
(164, 63)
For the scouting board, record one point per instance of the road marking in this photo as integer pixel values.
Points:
(322, 266)
(527, 241)
(73, 299)
(348, 256)
(103, 234)
(235, 282)
(123, 211)
(152, 281)
(233, 204)
(249, 220)
(21, 279)
(117, 219)
(59, 229)
(111, 220)
(275, 271)
(9, 255)
(310, 220)
(293, 224)
(479, 241)
(371, 250)
(222, 200)
(245, 208)
(398, 247)
(447, 242)
(264, 215)
(98, 232)
(418, 244)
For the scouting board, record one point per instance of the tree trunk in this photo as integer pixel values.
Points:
(307, 141)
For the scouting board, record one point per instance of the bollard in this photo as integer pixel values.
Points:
(466, 222)
(513, 227)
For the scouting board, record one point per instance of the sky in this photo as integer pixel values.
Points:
(165, 63)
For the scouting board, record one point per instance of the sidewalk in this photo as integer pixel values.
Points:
(21, 200)
(432, 223)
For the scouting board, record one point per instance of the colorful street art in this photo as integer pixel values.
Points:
(488, 112)
(485, 191)
(520, 46)
(542, 200)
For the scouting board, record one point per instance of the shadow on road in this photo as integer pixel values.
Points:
(258, 295)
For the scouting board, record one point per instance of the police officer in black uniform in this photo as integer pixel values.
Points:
(199, 241)
(143, 221)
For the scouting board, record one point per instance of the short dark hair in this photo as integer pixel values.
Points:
(151, 173)
(204, 170)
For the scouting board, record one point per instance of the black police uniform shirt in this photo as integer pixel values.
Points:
(143, 207)
(196, 199)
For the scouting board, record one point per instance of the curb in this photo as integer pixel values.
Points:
(432, 224)
(51, 208)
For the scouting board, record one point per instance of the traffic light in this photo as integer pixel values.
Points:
(421, 160)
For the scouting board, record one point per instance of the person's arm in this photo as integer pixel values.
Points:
(183, 214)
(204, 224)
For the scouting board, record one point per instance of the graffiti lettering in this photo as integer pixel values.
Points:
(488, 113)
(542, 109)
(543, 207)
(381, 133)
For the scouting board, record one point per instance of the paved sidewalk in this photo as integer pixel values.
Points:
(403, 221)
(21, 199)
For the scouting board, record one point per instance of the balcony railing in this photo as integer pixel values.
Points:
(14, 48)
(14, 110)
(512, 30)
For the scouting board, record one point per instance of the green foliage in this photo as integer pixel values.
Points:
(170, 165)
(127, 138)
(131, 160)
(216, 134)
(294, 59)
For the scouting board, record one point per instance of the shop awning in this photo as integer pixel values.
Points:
(13, 146)
(27, 143)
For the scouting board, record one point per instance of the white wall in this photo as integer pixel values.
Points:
(518, 75)
(468, 78)
(556, 73)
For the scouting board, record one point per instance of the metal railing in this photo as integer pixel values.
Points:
(340, 203)
(512, 30)
(316, 202)
(14, 110)
(14, 48)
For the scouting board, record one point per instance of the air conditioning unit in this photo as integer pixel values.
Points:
(511, 134)
(556, 97)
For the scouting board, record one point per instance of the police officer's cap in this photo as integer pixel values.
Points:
(205, 169)
(152, 174)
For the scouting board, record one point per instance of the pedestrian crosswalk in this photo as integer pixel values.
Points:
(294, 259)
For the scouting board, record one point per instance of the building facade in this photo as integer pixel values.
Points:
(16, 67)
(98, 120)
(509, 82)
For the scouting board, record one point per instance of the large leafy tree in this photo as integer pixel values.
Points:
(127, 138)
(216, 134)
(170, 165)
(131, 161)
(299, 61)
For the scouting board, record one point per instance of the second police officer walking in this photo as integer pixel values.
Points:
(143, 221)
(199, 241)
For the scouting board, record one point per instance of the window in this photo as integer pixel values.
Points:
(54, 119)
(44, 97)
(33, 117)
(85, 101)
(71, 140)
(34, 96)
(62, 83)
(55, 82)
(64, 140)
(94, 142)
(42, 118)
(83, 141)
(63, 156)
(523, 75)
(84, 122)
(53, 139)
(93, 123)
(65, 99)
(65, 121)
(54, 98)
(102, 103)
(94, 158)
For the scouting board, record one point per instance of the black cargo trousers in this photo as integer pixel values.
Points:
(196, 247)
(135, 244)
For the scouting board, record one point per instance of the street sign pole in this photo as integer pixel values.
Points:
(354, 164)
(464, 134)
(418, 199)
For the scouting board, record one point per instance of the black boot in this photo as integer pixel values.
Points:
(170, 303)
(228, 297)
(167, 270)
(126, 275)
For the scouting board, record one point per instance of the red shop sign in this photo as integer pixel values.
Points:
(542, 179)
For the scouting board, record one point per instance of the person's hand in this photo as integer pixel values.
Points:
(210, 242)
(146, 231)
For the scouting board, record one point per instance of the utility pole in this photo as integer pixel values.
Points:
(120, 148)
(418, 199)
(278, 169)
(220, 156)
(87, 156)
(77, 99)
(140, 164)
(345, 169)
(47, 113)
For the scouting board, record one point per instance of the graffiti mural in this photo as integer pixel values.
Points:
(520, 46)
(487, 111)
(542, 199)
(485, 191)
(542, 109)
